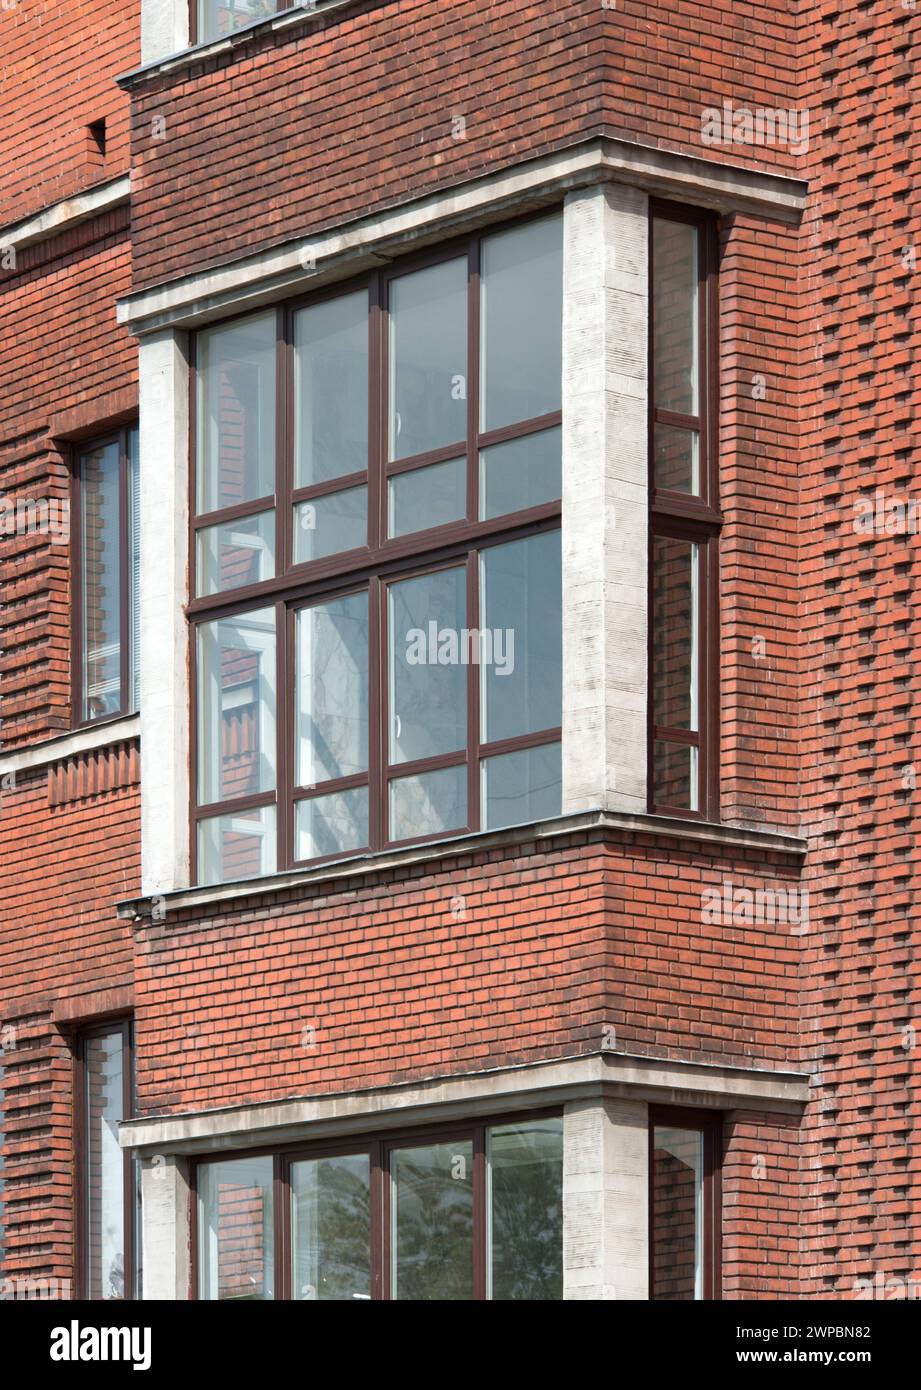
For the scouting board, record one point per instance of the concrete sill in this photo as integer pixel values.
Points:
(596, 824)
(71, 745)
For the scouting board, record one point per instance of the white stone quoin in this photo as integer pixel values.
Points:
(164, 454)
(605, 1200)
(165, 1228)
(605, 487)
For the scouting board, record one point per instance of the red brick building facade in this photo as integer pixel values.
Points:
(330, 973)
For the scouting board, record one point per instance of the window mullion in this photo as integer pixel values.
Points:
(123, 569)
(284, 732)
(473, 696)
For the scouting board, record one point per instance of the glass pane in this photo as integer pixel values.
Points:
(521, 323)
(428, 658)
(236, 1242)
(236, 706)
(134, 569)
(330, 524)
(675, 340)
(428, 359)
(675, 775)
(104, 1101)
(334, 824)
(331, 1228)
(100, 541)
(520, 473)
(428, 804)
(677, 459)
(432, 1222)
(674, 643)
(521, 641)
(517, 788)
(235, 553)
(236, 412)
(430, 496)
(525, 1206)
(217, 17)
(241, 845)
(332, 690)
(677, 1215)
(331, 389)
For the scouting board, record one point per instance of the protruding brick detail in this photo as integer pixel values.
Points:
(91, 774)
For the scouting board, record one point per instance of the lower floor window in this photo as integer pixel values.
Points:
(107, 1176)
(463, 1214)
(683, 1206)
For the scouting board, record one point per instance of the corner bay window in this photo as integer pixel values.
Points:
(376, 560)
(454, 1214)
(105, 578)
(684, 515)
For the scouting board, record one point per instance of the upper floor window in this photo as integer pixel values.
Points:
(376, 560)
(213, 18)
(685, 520)
(105, 578)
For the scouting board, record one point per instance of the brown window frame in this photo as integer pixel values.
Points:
(378, 1147)
(119, 437)
(371, 567)
(710, 1124)
(690, 517)
(194, 25)
(103, 1028)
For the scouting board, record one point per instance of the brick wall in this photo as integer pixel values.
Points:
(59, 60)
(359, 110)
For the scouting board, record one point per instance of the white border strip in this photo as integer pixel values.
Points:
(490, 1092)
(70, 745)
(69, 212)
(333, 254)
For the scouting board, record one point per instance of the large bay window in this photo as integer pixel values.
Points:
(376, 560)
(683, 774)
(456, 1214)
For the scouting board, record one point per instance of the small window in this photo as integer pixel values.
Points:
(108, 1178)
(106, 578)
(685, 521)
(683, 1205)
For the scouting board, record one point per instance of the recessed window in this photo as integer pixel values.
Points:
(377, 560)
(682, 768)
(106, 578)
(108, 1180)
(463, 1213)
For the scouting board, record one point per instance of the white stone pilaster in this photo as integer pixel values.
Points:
(166, 1252)
(164, 455)
(605, 1200)
(164, 28)
(605, 486)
